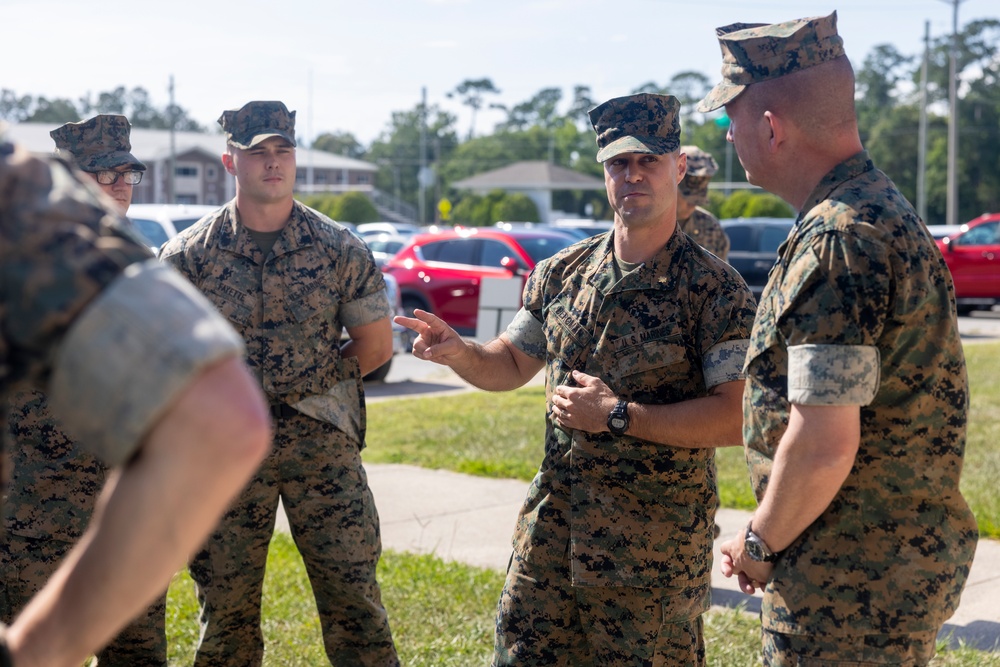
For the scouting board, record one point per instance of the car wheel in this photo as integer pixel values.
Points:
(965, 309)
(411, 303)
(379, 374)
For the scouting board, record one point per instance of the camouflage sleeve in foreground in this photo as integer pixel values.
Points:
(150, 318)
(59, 247)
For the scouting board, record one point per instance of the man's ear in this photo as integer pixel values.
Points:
(227, 163)
(682, 166)
(778, 129)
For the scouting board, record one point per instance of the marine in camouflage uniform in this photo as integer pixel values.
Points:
(290, 303)
(695, 221)
(856, 325)
(52, 493)
(71, 276)
(613, 546)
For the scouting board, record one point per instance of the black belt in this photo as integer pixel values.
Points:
(281, 411)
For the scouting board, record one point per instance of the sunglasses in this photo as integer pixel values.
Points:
(109, 177)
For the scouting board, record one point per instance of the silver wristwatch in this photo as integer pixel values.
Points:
(756, 548)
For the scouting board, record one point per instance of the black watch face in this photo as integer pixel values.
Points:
(753, 550)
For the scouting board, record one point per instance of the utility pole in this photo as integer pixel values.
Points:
(172, 162)
(952, 208)
(922, 132)
(422, 174)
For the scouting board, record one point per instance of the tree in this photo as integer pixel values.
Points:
(339, 143)
(354, 207)
(13, 108)
(397, 151)
(689, 88)
(539, 111)
(516, 207)
(580, 107)
(471, 91)
(53, 111)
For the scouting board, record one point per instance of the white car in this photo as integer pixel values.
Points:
(366, 229)
(158, 223)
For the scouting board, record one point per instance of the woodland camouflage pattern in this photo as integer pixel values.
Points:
(641, 123)
(256, 121)
(893, 550)
(616, 512)
(755, 52)
(706, 231)
(290, 307)
(102, 142)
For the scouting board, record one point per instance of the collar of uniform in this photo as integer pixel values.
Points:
(849, 169)
(654, 274)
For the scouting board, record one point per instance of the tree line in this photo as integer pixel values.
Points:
(551, 127)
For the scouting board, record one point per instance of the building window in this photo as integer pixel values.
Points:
(211, 173)
(187, 199)
(187, 170)
(363, 179)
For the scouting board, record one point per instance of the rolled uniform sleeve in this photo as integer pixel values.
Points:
(836, 305)
(130, 353)
(527, 334)
(365, 310)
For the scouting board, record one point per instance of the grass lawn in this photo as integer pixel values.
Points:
(501, 435)
(441, 615)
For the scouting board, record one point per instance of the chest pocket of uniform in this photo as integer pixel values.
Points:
(656, 355)
(312, 300)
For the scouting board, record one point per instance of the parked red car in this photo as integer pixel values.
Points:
(973, 255)
(441, 271)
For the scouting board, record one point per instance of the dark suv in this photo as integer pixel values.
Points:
(441, 271)
(753, 247)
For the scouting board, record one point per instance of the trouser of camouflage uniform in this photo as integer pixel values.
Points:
(28, 563)
(903, 650)
(543, 620)
(316, 471)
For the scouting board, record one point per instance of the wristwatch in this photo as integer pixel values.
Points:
(756, 548)
(618, 419)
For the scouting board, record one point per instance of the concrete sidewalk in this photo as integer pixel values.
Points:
(471, 519)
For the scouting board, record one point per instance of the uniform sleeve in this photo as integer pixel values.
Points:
(725, 332)
(365, 297)
(130, 353)
(836, 296)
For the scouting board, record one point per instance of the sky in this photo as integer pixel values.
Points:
(348, 65)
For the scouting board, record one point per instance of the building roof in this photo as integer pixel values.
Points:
(530, 175)
(154, 145)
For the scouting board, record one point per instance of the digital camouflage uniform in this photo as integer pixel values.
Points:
(615, 535)
(52, 494)
(701, 225)
(859, 310)
(290, 308)
(71, 276)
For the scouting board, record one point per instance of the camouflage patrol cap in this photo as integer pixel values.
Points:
(755, 52)
(97, 144)
(256, 121)
(641, 123)
(701, 167)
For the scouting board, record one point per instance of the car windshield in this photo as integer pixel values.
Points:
(542, 247)
(151, 230)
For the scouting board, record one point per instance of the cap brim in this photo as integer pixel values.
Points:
(720, 96)
(257, 138)
(111, 161)
(630, 144)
